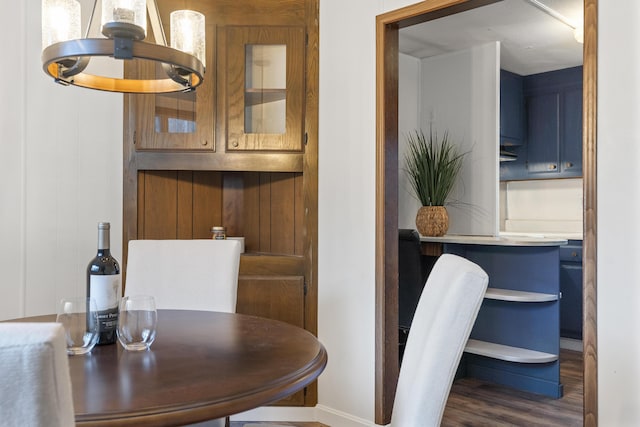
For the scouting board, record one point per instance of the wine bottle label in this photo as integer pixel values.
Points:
(105, 289)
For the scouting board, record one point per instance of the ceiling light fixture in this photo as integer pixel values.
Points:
(66, 55)
(577, 28)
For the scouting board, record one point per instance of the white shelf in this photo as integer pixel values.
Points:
(508, 353)
(518, 296)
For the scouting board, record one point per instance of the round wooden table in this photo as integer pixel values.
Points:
(202, 365)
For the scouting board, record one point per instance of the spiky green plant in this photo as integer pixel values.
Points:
(432, 166)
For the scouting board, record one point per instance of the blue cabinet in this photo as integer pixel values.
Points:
(515, 340)
(543, 133)
(512, 127)
(551, 145)
(553, 102)
(571, 147)
(511, 109)
(571, 289)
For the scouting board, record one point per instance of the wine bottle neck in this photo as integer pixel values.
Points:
(103, 238)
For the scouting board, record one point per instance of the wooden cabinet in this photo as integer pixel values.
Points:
(219, 157)
(264, 110)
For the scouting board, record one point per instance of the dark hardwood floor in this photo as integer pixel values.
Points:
(477, 403)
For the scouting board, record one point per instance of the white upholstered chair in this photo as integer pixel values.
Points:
(186, 275)
(441, 326)
(35, 388)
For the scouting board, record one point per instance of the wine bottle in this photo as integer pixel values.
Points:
(104, 285)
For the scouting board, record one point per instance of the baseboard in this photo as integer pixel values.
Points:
(334, 418)
(277, 413)
(571, 344)
(319, 413)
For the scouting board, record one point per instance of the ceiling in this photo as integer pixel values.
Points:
(531, 40)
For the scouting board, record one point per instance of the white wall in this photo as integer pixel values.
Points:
(618, 212)
(409, 114)
(61, 154)
(346, 245)
(544, 206)
(459, 94)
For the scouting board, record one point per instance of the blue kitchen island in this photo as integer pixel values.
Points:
(516, 338)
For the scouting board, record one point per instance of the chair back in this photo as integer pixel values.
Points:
(441, 326)
(35, 389)
(185, 274)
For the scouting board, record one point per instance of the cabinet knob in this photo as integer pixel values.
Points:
(552, 166)
(205, 143)
(574, 254)
(568, 165)
(235, 143)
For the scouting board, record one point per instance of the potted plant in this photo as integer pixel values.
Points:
(432, 166)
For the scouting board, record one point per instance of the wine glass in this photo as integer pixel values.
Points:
(137, 322)
(79, 316)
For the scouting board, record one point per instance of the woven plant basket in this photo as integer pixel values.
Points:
(432, 221)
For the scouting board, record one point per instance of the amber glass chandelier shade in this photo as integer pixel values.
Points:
(187, 33)
(60, 21)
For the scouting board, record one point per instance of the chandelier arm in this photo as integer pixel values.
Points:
(177, 74)
(91, 18)
(156, 23)
(70, 67)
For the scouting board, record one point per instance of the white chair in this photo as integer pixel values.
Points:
(186, 275)
(35, 385)
(446, 312)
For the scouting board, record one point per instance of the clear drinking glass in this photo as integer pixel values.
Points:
(137, 322)
(79, 316)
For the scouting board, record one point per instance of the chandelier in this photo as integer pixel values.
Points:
(66, 55)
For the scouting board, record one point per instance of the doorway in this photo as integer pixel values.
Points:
(387, 52)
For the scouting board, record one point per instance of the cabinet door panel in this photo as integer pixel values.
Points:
(543, 134)
(572, 133)
(274, 297)
(262, 112)
(571, 302)
(511, 109)
(176, 121)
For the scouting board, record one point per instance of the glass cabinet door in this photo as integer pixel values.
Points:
(262, 79)
(176, 121)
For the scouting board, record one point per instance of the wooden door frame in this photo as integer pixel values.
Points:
(386, 360)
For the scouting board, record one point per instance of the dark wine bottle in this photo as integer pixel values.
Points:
(104, 286)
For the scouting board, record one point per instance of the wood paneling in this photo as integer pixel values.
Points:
(161, 205)
(265, 208)
(185, 226)
(207, 203)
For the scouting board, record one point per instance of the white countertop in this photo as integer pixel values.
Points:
(502, 240)
(552, 235)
